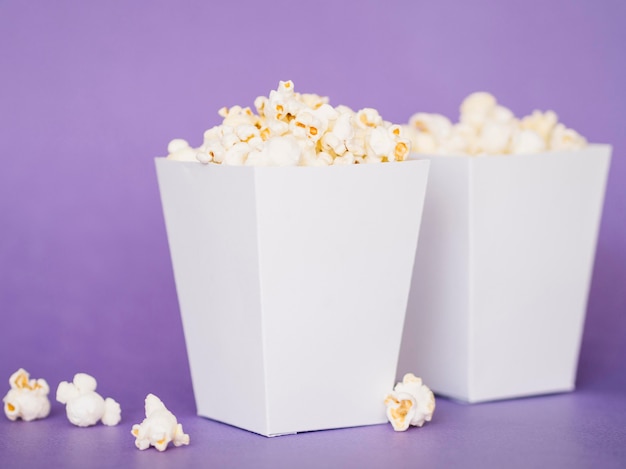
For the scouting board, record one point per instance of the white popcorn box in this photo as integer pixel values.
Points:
(293, 284)
(502, 273)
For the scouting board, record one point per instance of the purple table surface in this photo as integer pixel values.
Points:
(90, 92)
(582, 429)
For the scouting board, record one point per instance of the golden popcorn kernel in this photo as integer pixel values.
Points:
(265, 133)
(21, 381)
(384, 159)
(401, 151)
(135, 431)
(313, 131)
(363, 119)
(396, 131)
(279, 108)
(421, 126)
(402, 410)
(10, 407)
(301, 125)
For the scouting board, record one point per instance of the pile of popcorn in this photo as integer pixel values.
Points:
(27, 399)
(293, 129)
(488, 128)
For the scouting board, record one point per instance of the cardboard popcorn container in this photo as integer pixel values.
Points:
(293, 284)
(502, 272)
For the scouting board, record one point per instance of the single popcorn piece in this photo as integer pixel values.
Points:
(236, 116)
(495, 137)
(526, 141)
(476, 108)
(438, 126)
(542, 123)
(84, 406)
(278, 151)
(27, 399)
(410, 403)
(563, 138)
(159, 427)
(179, 150)
(368, 118)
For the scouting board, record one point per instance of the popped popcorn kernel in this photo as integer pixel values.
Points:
(542, 123)
(27, 399)
(563, 138)
(401, 150)
(179, 150)
(527, 141)
(159, 428)
(410, 403)
(476, 107)
(84, 407)
(368, 117)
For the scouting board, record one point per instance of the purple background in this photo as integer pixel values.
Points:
(91, 92)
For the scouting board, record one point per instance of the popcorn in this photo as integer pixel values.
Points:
(494, 137)
(526, 141)
(159, 427)
(488, 128)
(27, 399)
(308, 125)
(84, 406)
(293, 129)
(438, 126)
(476, 107)
(385, 144)
(368, 118)
(410, 403)
(541, 122)
(278, 151)
(563, 138)
(236, 116)
(180, 150)
(342, 130)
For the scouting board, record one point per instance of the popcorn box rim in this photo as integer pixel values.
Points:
(541, 154)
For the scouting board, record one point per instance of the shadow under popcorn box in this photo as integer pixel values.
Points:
(502, 272)
(293, 284)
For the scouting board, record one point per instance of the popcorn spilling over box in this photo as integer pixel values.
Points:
(292, 258)
(506, 250)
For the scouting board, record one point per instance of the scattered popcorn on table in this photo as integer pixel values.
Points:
(84, 406)
(27, 399)
(293, 129)
(410, 403)
(487, 128)
(159, 427)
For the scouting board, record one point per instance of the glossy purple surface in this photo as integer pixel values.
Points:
(91, 92)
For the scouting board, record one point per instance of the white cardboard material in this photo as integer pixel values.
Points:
(502, 273)
(293, 284)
